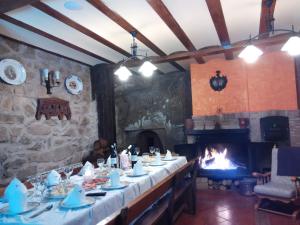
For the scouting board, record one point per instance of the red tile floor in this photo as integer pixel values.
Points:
(216, 207)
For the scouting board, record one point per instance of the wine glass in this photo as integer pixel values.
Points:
(68, 172)
(38, 185)
(137, 150)
(100, 163)
(157, 150)
(151, 150)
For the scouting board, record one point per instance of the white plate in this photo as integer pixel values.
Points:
(51, 196)
(172, 159)
(87, 202)
(12, 72)
(139, 175)
(108, 186)
(30, 206)
(74, 84)
(157, 164)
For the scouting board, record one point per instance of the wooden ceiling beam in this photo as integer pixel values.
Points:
(278, 39)
(265, 16)
(66, 20)
(51, 37)
(98, 4)
(216, 13)
(9, 5)
(43, 49)
(161, 9)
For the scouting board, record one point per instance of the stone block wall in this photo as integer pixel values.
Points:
(27, 145)
(157, 103)
(230, 121)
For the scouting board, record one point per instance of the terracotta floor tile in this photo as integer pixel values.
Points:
(229, 208)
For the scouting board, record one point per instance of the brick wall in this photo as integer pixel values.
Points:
(230, 121)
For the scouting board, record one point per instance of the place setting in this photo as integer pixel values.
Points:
(169, 157)
(15, 200)
(138, 170)
(157, 160)
(114, 182)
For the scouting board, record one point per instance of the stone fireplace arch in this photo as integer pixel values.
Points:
(148, 138)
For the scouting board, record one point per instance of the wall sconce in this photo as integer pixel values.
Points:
(50, 79)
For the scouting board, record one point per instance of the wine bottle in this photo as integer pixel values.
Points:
(128, 149)
(134, 156)
(113, 155)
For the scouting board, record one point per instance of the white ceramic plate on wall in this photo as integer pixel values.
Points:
(74, 84)
(12, 72)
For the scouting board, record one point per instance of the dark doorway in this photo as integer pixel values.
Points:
(148, 138)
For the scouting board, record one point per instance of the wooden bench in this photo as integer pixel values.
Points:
(152, 207)
(163, 203)
(184, 198)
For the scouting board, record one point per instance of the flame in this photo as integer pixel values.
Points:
(214, 160)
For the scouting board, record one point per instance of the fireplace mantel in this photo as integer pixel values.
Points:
(240, 135)
(143, 129)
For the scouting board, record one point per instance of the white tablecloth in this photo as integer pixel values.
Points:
(104, 206)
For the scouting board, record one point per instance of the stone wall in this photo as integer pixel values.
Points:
(28, 145)
(230, 121)
(157, 104)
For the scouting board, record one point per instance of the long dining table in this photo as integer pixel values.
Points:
(104, 206)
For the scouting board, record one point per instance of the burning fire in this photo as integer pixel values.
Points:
(215, 160)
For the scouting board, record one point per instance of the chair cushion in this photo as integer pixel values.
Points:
(276, 189)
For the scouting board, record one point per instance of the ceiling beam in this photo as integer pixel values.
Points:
(278, 39)
(266, 14)
(161, 9)
(51, 37)
(9, 5)
(66, 20)
(43, 49)
(98, 4)
(216, 13)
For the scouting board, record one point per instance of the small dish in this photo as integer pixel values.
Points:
(55, 196)
(171, 159)
(137, 175)
(157, 164)
(108, 186)
(88, 201)
(30, 206)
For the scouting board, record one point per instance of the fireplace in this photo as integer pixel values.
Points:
(148, 138)
(224, 153)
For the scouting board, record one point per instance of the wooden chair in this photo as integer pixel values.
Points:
(152, 207)
(184, 198)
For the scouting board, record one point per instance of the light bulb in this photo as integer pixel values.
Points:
(250, 54)
(292, 46)
(123, 73)
(147, 69)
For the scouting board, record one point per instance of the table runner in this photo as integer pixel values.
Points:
(104, 206)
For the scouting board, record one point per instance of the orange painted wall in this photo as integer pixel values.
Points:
(268, 84)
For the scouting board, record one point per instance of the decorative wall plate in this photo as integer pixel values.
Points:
(12, 71)
(74, 84)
